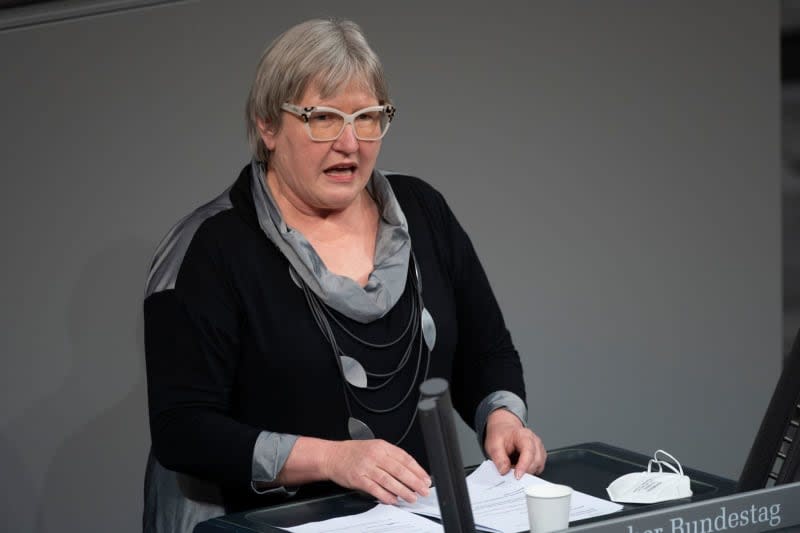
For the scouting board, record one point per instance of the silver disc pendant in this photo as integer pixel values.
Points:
(359, 430)
(428, 329)
(354, 373)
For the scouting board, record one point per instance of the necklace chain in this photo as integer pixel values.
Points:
(322, 314)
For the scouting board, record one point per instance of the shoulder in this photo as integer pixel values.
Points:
(172, 249)
(415, 195)
(218, 223)
(405, 184)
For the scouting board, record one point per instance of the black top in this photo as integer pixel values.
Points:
(232, 348)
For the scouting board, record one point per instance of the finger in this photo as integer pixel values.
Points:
(527, 455)
(539, 455)
(396, 471)
(541, 459)
(394, 486)
(408, 472)
(414, 467)
(374, 489)
(421, 486)
(497, 453)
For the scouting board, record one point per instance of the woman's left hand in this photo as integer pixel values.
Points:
(507, 439)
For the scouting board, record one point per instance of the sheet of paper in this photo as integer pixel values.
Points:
(498, 502)
(379, 519)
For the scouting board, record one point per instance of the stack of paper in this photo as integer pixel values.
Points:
(380, 519)
(498, 502)
(498, 505)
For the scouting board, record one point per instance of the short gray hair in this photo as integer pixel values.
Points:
(327, 52)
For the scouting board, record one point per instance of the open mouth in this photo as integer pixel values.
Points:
(341, 169)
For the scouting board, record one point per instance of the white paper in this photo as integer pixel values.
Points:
(498, 502)
(379, 519)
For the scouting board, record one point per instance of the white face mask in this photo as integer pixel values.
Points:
(651, 486)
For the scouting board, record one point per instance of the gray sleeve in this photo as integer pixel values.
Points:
(499, 399)
(269, 456)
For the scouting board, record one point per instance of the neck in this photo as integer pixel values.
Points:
(320, 223)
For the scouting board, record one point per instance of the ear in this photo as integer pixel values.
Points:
(267, 132)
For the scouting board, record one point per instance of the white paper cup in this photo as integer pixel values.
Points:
(548, 507)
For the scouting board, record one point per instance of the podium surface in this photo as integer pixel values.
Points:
(588, 467)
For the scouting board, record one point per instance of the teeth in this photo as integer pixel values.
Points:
(341, 169)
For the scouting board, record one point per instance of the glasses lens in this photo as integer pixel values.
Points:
(371, 125)
(324, 126)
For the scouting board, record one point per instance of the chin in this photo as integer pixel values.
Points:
(335, 195)
(340, 195)
(339, 203)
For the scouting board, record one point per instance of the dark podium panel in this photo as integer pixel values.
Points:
(588, 468)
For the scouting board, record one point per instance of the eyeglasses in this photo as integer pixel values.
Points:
(327, 124)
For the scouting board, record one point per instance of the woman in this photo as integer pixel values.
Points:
(290, 321)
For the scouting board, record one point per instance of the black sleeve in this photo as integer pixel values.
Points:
(485, 360)
(191, 346)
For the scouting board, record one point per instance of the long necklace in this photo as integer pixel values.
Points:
(353, 373)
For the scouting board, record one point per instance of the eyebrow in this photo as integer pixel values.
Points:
(322, 103)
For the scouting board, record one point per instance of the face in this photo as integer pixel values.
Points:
(320, 177)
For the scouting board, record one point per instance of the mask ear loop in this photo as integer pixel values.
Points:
(652, 462)
(678, 470)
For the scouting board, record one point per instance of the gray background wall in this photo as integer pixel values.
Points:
(616, 164)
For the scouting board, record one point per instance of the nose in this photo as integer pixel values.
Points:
(347, 142)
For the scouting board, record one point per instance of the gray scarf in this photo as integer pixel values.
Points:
(392, 250)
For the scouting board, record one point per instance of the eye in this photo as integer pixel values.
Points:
(320, 118)
(368, 117)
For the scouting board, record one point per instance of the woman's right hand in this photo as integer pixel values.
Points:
(376, 467)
